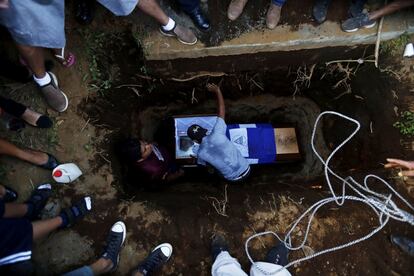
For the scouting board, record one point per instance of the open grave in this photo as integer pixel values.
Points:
(116, 92)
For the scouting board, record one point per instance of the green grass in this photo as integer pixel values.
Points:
(406, 123)
(101, 49)
(395, 46)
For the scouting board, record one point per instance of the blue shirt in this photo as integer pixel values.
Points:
(217, 150)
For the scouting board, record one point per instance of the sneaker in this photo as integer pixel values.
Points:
(353, 24)
(236, 8)
(183, 34)
(218, 245)
(38, 200)
(273, 16)
(405, 244)
(320, 10)
(114, 242)
(55, 97)
(159, 256)
(10, 195)
(75, 212)
(278, 255)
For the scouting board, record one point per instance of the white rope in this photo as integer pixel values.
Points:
(382, 204)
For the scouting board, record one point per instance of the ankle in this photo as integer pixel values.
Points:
(38, 158)
(102, 266)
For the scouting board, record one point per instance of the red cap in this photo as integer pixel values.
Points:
(57, 173)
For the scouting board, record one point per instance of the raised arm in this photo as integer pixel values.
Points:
(221, 109)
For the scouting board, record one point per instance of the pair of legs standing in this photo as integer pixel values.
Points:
(236, 8)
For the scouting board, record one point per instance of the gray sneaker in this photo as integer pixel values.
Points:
(55, 97)
(183, 34)
(353, 24)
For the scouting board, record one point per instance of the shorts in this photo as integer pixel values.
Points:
(16, 240)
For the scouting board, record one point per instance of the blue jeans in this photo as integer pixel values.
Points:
(82, 271)
(189, 6)
(279, 3)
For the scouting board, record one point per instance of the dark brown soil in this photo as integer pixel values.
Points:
(189, 201)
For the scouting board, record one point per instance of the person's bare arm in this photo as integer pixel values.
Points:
(407, 167)
(221, 108)
(390, 8)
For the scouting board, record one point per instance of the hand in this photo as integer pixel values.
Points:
(4, 4)
(397, 163)
(213, 88)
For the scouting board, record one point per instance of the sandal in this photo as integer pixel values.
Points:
(10, 195)
(75, 212)
(51, 163)
(38, 200)
(68, 61)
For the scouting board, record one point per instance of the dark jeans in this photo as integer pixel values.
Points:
(13, 108)
(189, 6)
(279, 3)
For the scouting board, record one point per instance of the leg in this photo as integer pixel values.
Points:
(31, 156)
(152, 8)
(34, 57)
(390, 8)
(192, 9)
(223, 263)
(189, 6)
(42, 228)
(13, 108)
(109, 260)
(273, 13)
(226, 265)
(15, 210)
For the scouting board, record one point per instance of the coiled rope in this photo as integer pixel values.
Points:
(382, 204)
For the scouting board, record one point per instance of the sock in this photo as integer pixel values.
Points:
(42, 81)
(170, 25)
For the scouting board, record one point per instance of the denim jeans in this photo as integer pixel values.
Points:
(82, 271)
(189, 6)
(279, 3)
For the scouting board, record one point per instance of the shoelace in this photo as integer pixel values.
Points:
(113, 245)
(153, 261)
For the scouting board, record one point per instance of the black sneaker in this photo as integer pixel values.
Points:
(353, 24)
(114, 242)
(38, 201)
(10, 195)
(320, 10)
(159, 256)
(218, 245)
(278, 255)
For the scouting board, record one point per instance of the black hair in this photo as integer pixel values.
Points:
(130, 150)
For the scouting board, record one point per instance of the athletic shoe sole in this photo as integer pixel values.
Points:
(365, 27)
(64, 95)
(174, 35)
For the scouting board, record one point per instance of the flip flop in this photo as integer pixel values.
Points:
(11, 195)
(68, 61)
(51, 163)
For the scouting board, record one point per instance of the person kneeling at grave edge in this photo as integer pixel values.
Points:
(150, 160)
(216, 149)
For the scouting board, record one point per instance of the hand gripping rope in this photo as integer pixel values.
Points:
(382, 204)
